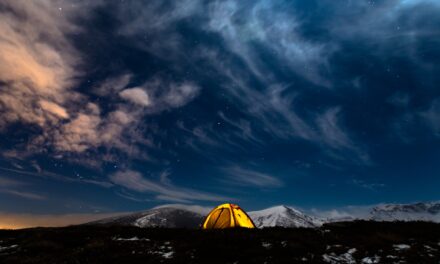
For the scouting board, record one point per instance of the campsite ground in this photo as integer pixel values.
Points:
(351, 242)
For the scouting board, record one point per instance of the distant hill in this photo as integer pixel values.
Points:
(172, 216)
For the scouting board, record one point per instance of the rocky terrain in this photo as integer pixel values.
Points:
(345, 242)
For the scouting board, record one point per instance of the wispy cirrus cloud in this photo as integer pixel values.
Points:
(16, 188)
(272, 113)
(47, 175)
(273, 110)
(247, 30)
(384, 28)
(431, 116)
(158, 18)
(236, 175)
(410, 122)
(6, 182)
(24, 194)
(334, 136)
(245, 26)
(372, 186)
(164, 190)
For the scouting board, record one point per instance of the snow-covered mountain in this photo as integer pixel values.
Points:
(184, 216)
(283, 216)
(191, 216)
(170, 216)
(289, 217)
(406, 212)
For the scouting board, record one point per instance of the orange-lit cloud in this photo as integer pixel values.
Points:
(36, 63)
(54, 109)
(38, 68)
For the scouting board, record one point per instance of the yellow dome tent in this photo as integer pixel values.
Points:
(227, 216)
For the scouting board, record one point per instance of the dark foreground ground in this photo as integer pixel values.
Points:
(356, 242)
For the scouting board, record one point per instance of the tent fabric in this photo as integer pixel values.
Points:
(227, 216)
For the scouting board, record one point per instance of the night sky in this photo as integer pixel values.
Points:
(110, 106)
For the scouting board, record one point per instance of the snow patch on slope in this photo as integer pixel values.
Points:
(407, 212)
(164, 216)
(283, 216)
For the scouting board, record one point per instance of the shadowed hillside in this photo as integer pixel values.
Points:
(349, 242)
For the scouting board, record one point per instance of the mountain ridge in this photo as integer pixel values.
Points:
(420, 211)
(191, 216)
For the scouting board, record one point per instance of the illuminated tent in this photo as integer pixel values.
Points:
(227, 216)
